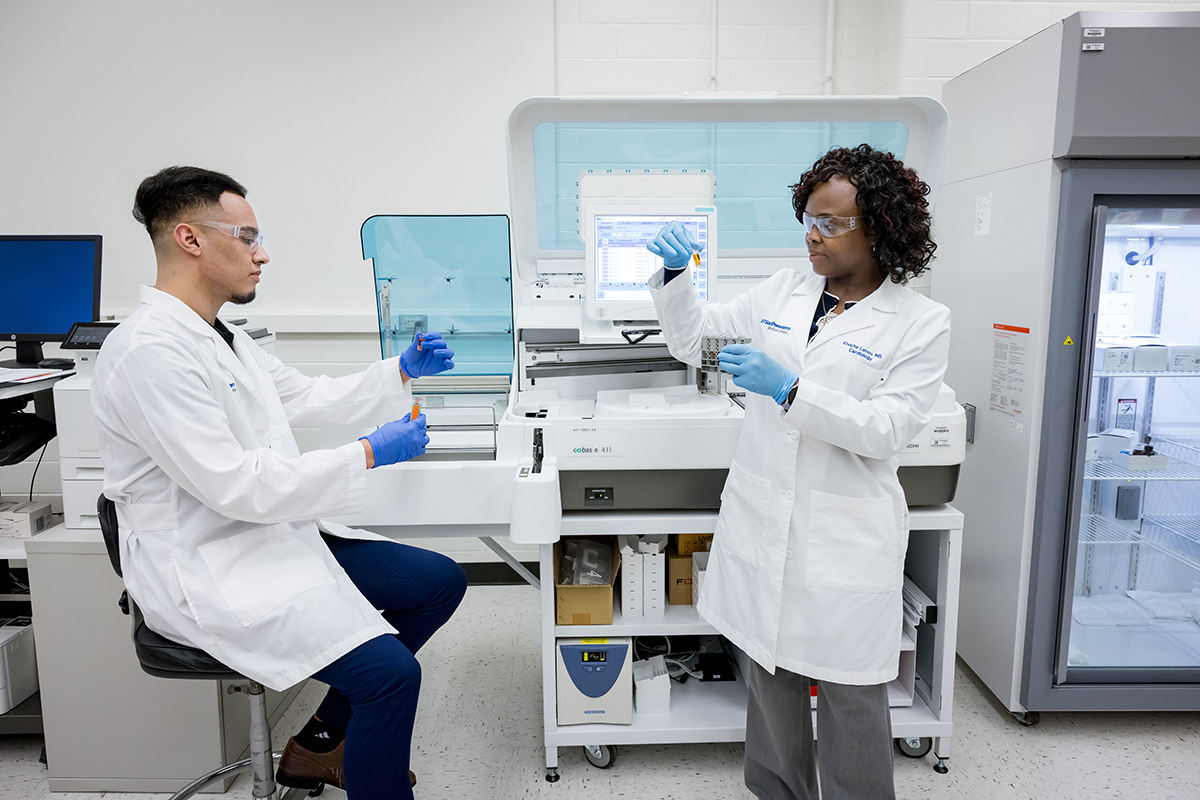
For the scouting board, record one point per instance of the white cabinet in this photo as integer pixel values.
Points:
(922, 698)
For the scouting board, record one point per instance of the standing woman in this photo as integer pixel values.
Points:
(808, 558)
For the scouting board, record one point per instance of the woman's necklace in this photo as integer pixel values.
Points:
(831, 313)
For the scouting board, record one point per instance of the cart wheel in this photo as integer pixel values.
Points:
(600, 756)
(1027, 718)
(913, 747)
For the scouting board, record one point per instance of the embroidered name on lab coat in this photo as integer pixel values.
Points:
(862, 352)
(774, 327)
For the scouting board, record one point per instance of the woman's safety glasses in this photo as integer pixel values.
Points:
(829, 226)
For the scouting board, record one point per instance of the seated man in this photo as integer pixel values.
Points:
(221, 545)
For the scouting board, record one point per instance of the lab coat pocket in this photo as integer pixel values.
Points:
(853, 377)
(853, 544)
(150, 517)
(259, 570)
(744, 511)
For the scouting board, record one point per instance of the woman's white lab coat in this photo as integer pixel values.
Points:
(220, 545)
(808, 557)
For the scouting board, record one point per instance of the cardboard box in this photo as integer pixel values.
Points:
(688, 543)
(1150, 357)
(1114, 357)
(654, 584)
(632, 603)
(679, 578)
(1183, 358)
(583, 605)
(23, 520)
(643, 576)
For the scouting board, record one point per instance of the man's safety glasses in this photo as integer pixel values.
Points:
(829, 226)
(251, 237)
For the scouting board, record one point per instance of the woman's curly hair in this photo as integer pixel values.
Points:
(891, 199)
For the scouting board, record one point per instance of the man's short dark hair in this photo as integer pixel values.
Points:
(169, 195)
(892, 200)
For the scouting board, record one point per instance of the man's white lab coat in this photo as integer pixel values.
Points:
(220, 544)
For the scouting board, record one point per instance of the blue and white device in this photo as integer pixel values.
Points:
(595, 681)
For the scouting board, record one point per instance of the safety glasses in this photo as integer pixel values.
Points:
(829, 226)
(251, 237)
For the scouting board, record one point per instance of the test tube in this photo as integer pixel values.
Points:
(420, 340)
(696, 257)
(416, 409)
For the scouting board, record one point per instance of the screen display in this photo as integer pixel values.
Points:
(594, 656)
(88, 335)
(623, 264)
(49, 284)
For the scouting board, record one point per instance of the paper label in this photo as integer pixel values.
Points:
(1010, 351)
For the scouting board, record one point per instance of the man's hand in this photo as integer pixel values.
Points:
(427, 355)
(397, 441)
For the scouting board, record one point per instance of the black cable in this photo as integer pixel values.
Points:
(8, 347)
(35, 469)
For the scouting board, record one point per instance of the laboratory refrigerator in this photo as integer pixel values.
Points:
(1069, 231)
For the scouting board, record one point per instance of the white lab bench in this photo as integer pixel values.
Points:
(716, 711)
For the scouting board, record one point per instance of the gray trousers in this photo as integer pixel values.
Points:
(781, 754)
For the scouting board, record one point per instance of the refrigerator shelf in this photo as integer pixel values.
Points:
(1104, 530)
(1186, 441)
(1131, 374)
(1094, 529)
(1105, 470)
(1185, 525)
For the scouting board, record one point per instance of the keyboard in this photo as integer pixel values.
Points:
(21, 434)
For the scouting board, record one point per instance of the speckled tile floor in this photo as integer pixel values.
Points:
(479, 732)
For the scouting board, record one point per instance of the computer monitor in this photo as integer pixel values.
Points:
(617, 263)
(47, 284)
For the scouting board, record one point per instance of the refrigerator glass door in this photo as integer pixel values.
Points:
(1135, 599)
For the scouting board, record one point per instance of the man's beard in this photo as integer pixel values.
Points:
(242, 299)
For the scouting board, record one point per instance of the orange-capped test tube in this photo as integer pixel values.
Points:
(696, 257)
(416, 410)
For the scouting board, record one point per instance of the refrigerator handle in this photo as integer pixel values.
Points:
(1090, 345)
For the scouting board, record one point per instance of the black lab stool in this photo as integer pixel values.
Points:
(164, 658)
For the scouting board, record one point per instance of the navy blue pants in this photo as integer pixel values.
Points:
(373, 688)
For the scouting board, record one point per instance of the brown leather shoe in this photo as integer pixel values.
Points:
(303, 769)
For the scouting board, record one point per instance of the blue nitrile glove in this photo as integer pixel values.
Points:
(398, 441)
(757, 372)
(432, 357)
(674, 245)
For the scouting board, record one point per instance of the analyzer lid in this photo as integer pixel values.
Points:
(753, 147)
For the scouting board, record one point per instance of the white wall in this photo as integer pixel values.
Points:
(327, 112)
(880, 46)
(330, 113)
